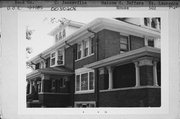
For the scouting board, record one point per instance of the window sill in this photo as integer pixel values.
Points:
(84, 57)
(84, 92)
(57, 65)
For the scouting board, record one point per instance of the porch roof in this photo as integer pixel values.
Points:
(50, 71)
(126, 57)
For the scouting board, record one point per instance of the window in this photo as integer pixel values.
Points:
(77, 82)
(152, 22)
(57, 57)
(85, 104)
(91, 80)
(53, 86)
(123, 44)
(53, 58)
(62, 82)
(57, 37)
(42, 64)
(60, 57)
(91, 46)
(79, 51)
(146, 21)
(85, 48)
(60, 35)
(151, 43)
(39, 86)
(84, 81)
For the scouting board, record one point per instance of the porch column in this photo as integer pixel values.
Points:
(42, 86)
(137, 74)
(30, 87)
(155, 73)
(43, 78)
(110, 72)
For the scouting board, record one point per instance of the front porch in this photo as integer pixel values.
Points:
(131, 79)
(49, 87)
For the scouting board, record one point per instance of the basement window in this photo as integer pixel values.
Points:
(85, 104)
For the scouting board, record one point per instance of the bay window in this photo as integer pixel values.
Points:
(84, 81)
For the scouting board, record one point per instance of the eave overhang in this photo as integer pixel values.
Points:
(127, 57)
(49, 71)
(96, 26)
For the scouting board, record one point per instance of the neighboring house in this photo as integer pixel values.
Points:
(106, 63)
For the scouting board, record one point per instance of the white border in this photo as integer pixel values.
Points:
(164, 109)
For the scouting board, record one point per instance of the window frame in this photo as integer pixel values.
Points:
(51, 58)
(85, 103)
(82, 49)
(60, 35)
(63, 54)
(127, 44)
(149, 39)
(88, 82)
(56, 57)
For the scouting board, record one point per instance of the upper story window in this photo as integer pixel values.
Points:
(60, 35)
(152, 22)
(79, 50)
(60, 58)
(57, 57)
(123, 44)
(84, 82)
(53, 58)
(85, 48)
(42, 64)
(149, 42)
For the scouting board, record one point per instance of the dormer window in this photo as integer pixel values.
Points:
(152, 22)
(57, 58)
(60, 35)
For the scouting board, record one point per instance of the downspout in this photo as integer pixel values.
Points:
(72, 83)
(96, 70)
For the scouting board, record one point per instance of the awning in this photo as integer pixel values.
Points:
(50, 71)
(126, 57)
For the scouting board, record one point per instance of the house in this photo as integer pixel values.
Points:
(106, 63)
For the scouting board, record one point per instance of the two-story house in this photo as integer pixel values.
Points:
(106, 63)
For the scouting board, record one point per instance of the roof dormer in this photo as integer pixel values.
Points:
(65, 29)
